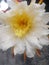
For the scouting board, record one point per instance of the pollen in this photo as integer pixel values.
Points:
(21, 24)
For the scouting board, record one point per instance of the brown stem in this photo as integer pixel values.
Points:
(12, 51)
(48, 36)
(38, 52)
(24, 56)
(40, 1)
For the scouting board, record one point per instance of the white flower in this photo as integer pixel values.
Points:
(24, 27)
(3, 5)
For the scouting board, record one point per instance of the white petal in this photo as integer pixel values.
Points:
(42, 6)
(7, 38)
(44, 40)
(29, 50)
(33, 1)
(20, 47)
(11, 4)
(34, 42)
(45, 17)
(23, 4)
(41, 29)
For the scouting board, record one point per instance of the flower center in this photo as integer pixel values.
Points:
(21, 24)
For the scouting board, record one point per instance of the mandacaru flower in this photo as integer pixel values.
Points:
(24, 27)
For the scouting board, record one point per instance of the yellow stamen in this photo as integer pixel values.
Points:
(21, 23)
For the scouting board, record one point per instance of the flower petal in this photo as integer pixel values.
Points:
(19, 47)
(29, 51)
(44, 40)
(45, 17)
(33, 1)
(34, 42)
(7, 39)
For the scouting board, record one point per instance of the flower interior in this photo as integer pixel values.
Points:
(21, 23)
